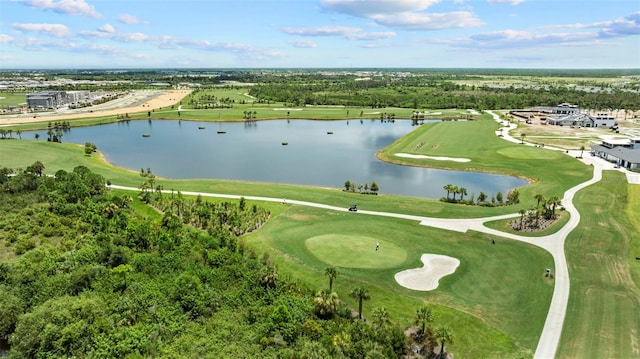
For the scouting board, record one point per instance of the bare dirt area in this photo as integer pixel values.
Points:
(137, 101)
(568, 137)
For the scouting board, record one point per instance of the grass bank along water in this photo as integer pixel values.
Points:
(253, 152)
(551, 172)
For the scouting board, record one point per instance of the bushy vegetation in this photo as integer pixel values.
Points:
(82, 275)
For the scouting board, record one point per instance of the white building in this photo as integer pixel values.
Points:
(569, 115)
(625, 153)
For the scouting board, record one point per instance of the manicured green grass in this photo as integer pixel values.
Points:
(479, 296)
(263, 111)
(603, 316)
(12, 99)
(491, 314)
(355, 251)
(22, 153)
(504, 226)
(552, 172)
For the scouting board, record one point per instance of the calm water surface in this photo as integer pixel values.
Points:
(254, 152)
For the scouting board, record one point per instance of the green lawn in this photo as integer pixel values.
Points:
(21, 153)
(12, 99)
(603, 316)
(492, 314)
(485, 308)
(551, 172)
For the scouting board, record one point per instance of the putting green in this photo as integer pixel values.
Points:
(527, 152)
(353, 251)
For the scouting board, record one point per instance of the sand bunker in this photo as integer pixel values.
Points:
(426, 278)
(408, 155)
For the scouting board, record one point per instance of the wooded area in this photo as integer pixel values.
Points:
(83, 275)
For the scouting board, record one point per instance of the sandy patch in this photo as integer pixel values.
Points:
(154, 101)
(454, 159)
(287, 109)
(427, 278)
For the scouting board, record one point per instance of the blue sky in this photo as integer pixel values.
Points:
(319, 33)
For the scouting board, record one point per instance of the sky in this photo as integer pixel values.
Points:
(94, 34)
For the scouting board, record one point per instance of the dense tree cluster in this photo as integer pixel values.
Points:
(365, 188)
(538, 217)
(513, 197)
(82, 275)
(435, 91)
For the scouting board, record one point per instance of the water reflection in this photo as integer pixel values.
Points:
(317, 153)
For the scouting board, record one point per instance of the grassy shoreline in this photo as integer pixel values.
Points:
(475, 301)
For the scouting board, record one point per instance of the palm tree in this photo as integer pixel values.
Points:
(448, 187)
(522, 136)
(581, 151)
(423, 316)
(463, 192)
(444, 335)
(380, 318)
(19, 133)
(455, 190)
(553, 202)
(522, 212)
(332, 273)
(538, 198)
(362, 294)
(37, 136)
(38, 168)
(325, 304)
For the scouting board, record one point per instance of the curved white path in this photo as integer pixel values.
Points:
(553, 243)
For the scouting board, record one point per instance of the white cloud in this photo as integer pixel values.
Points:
(55, 30)
(508, 39)
(171, 43)
(628, 26)
(349, 33)
(108, 32)
(322, 31)
(422, 21)
(512, 2)
(403, 14)
(304, 43)
(5, 39)
(366, 8)
(107, 28)
(68, 7)
(128, 19)
(556, 35)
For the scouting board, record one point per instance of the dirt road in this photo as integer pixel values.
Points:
(137, 101)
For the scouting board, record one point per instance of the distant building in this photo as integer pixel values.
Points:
(77, 96)
(54, 99)
(565, 109)
(603, 120)
(569, 115)
(625, 153)
(45, 99)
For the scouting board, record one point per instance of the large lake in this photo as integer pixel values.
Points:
(254, 151)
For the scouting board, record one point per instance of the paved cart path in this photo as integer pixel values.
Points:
(553, 243)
